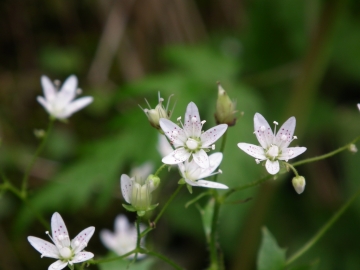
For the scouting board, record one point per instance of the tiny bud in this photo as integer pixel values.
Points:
(225, 108)
(39, 133)
(299, 184)
(353, 148)
(154, 182)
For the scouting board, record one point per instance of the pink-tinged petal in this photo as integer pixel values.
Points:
(82, 239)
(175, 134)
(48, 88)
(44, 103)
(177, 156)
(272, 167)
(108, 239)
(285, 134)
(163, 146)
(291, 152)
(77, 105)
(253, 150)
(126, 187)
(206, 184)
(122, 224)
(263, 131)
(59, 232)
(201, 159)
(68, 91)
(58, 265)
(214, 162)
(191, 111)
(82, 257)
(46, 248)
(212, 135)
(192, 124)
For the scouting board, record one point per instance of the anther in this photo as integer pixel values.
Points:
(220, 171)
(276, 123)
(257, 161)
(213, 147)
(203, 122)
(179, 119)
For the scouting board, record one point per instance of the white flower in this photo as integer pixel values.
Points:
(194, 174)
(65, 251)
(189, 140)
(123, 240)
(60, 104)
(273, 147)
(163, 146)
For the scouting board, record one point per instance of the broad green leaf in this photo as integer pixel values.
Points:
(206, 217)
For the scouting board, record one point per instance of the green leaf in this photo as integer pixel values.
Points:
(271, 256)
(206, 217)
(308, 266)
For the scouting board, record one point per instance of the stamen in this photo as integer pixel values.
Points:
(47, 232)
(275, 123)
(203, 122)
(179, 119)
(213, 147)
(220, 171)
(294, 137)
(147, 103)
(257, 161)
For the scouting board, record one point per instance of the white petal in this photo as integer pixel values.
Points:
(177, 156)
(291, 152)
(122, 224)
(286, 129)
(213, 134)
(46, 248)
(164, 146)
(48, 88)
(263, 131)
(58, 228)
(126, 187)
(58, 265)
(191, 111)
(44, 103)
(77, 105)
(214, 162)
(82, 257)
(82, 239)
(253, 150)
(67, 92)
(108, 239)
(192, 124)
(272, 167)
(201, 159)
(175, 134)
(207, 184)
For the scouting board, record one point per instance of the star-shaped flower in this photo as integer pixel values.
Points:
(60, 104)
(189, 140)
(65, 251)
(273, 147)
(194, 174)
(123, 240)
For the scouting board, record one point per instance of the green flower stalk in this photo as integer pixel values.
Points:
(225, 108)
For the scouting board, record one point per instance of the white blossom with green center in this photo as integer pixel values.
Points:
(66, 251)
(60, 104)
(273, 147)
(190, 141)
(194, 174)
(123, 239)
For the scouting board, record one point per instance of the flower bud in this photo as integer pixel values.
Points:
(225, 108)
(353, 148)
(154, 182)
(299, 184)
(154, 115)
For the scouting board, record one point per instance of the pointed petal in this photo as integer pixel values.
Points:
(58, 265)
(212, 135)
(201, 159)
(285, 133)
(175, 134)
(177, 156)
(122, 224)
(48, 88)
(206, 184)
(108, 239)
(44, 103)
(82, 257)
(67, 91)
(59, 231)
(163, 146)
(77, 105)
(126, 187)
(253, 150)
(46, 248)
(272, 167)
(191, 111)
(214, 162)
(82, 239)
(192, 124)
(291, 152)
(263, 131)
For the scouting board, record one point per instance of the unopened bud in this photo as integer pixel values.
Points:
(299, 184)
(225, 108)
(353, 148)
(39, 133)
(154, 182)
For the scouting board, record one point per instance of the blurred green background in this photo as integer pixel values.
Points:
(279, 58)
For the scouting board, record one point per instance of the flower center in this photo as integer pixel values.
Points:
(65, 253)
(192, 144)
(273, 152)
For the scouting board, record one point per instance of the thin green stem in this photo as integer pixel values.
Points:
(248, 185)
(332, 153)
(165, 259)
(113, 258)
(206, 193)
(160, 169)
(292, 168)
(35, 156)
(213, 234)
(161, 212)
(323, 230)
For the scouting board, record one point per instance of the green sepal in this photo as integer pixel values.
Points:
(71, 266)
(182, 181)
(140, 213)
(152, 207)
(189, 188)
(129, 207)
